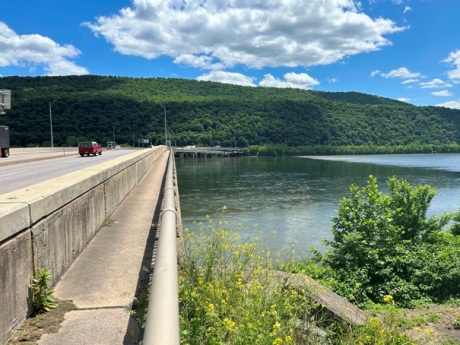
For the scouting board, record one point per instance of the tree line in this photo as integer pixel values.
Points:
(210, 114)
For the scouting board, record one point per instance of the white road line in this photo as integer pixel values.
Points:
(15, 173)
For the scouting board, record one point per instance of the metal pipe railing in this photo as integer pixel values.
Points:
(162, 324)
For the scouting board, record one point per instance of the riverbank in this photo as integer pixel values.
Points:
(276, 150)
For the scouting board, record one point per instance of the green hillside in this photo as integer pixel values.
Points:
(207, 113)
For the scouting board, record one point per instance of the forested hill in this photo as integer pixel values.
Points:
(207, 113)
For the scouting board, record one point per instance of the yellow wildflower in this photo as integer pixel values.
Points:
(388, 299)
(229, 324)
(210, 308)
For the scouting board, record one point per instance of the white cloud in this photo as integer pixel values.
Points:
(291, 80)
(195, 61)
(435, 84)
(402, 73)
(33, 51)
(403, 99)
(450, 104)
(374, 73)
(443, 93)
(228, 78)
(454, 58)
(410, 81)
(407, 9)
(251, 33)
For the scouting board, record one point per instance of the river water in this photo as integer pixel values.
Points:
(289, 201)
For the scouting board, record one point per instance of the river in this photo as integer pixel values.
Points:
(289, 201)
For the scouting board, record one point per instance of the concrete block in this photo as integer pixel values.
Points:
(16, 271)
(61, 237)
(118, 187)
(14, 217)
(46, 197)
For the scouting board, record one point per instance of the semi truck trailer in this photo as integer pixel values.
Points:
(4, 141)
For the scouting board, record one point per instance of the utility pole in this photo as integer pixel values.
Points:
(51, 123)
(166, 135)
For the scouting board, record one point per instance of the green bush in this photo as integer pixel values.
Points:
(385, 245)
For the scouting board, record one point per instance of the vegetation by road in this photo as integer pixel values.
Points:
(385, 249)
(385, 256)
(384, 245)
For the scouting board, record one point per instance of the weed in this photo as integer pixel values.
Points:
(457, 322)
(108, 222)
(227, 295)
(433, 317)
(42, 294)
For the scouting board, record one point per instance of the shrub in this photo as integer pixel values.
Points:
(385, 245)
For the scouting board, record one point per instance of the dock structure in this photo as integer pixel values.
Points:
(195, 152)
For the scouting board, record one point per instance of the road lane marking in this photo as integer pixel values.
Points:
(15, 173)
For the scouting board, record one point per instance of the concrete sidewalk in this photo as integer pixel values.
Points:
(105, 278)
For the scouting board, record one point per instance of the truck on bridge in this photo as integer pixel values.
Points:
(4, 141)
(5, 103)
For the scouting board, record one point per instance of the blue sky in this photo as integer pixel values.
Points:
(401, 49)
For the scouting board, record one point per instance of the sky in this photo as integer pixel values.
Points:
(401, 49)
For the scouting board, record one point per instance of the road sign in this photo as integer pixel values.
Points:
(5, 100)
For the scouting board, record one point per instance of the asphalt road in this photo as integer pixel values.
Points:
(20, 171)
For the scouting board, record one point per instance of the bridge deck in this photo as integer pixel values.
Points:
(105, 278)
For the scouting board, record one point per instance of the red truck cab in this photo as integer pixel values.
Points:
(89, 148)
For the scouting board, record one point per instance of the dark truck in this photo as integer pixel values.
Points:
(4, 141)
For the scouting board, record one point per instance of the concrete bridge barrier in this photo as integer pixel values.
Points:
(39, 149)
(48, 225)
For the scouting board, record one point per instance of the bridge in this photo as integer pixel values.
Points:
(217, 151)
(96, 230)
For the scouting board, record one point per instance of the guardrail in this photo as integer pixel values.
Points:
(162, 325)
